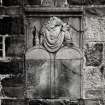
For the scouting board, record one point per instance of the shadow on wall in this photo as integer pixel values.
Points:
(12, 2)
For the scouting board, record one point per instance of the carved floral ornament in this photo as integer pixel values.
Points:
(53, 34)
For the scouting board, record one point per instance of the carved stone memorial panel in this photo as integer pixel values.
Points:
(53, 64)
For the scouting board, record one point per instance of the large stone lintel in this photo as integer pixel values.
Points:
(46, 12)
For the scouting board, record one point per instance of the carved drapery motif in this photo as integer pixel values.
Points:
(54, 33)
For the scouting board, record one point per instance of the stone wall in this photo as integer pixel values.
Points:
(88, 34)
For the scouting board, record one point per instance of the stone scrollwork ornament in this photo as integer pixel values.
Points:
(54, 33)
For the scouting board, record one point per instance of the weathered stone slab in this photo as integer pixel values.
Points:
(92, 83)
(13, 102)
(95, 28)
(38, 79)
(94, 102)
(93, 53)
(13, 87)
